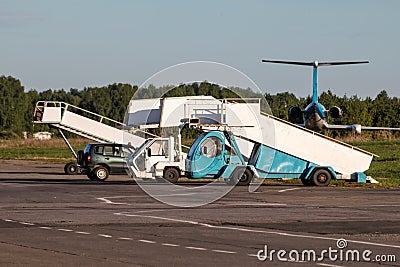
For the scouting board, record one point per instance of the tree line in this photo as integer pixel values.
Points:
(17, 105)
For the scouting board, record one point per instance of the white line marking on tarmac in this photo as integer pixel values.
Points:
(128, 238)
(146, 211)
(8, 220)
(147, 241)
(254, 230)
(108, 201)
(117, 197)
(82, 233)
(224, 251)
(125, 238)
(158, 217)
(329, 265)
(26, 223)
(290, 189)
(224, 204)
(103, 235)
(196, 248)
(170, 245)
(255, 204)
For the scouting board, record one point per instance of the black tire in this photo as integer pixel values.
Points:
(321, 177)
(71, 168)
(100, 173)
(171, 175)
(246, 177)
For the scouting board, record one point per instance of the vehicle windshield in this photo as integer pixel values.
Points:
(194, 145)
(131, 149)
(141, 148)
(127, 151)
(211, 147)
(87, 148)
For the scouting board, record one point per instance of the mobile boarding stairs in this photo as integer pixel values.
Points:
(98, 128)
(244, 118)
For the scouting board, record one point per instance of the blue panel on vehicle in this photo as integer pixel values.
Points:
(361, 177)
(272, 163)
(208, 156)
(265, 158)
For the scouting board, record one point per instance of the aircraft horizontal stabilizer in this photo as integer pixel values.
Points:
(341, 63)
(289, 62)
(314, 63)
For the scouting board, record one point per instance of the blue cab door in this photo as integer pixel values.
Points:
(209, 157)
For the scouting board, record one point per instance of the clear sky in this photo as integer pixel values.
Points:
(76, 44)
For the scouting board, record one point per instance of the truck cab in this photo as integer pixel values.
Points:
(208, 156)
(157, 158)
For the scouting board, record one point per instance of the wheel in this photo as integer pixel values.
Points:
(321, 177)
(100, 173)
(71, 168)
(246, 177)
(171, 175)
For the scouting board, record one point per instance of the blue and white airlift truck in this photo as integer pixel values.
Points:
(215, 154)
(264, 147)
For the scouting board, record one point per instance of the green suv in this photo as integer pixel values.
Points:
(99, 160)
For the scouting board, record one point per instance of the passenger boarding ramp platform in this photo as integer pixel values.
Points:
(315, 147)
(64, 116)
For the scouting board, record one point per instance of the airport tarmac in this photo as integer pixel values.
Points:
(51, 219)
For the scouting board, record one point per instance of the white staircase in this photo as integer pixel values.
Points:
(64, 116)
